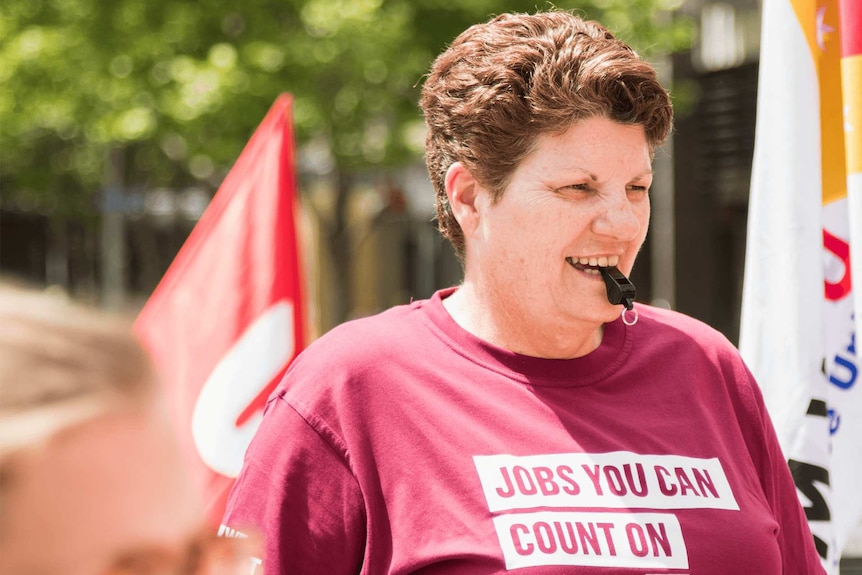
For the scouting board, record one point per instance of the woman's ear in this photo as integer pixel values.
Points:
(462, 189)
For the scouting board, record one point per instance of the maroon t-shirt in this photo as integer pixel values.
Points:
(402, 444)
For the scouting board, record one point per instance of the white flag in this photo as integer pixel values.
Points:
(804, 230)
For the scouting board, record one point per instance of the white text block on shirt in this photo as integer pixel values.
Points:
(637, 540)
(616, 480)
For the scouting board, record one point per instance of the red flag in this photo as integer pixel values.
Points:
(227, 317)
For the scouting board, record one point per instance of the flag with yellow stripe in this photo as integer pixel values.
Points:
(804, 246)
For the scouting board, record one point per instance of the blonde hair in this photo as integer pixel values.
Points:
(62, 364)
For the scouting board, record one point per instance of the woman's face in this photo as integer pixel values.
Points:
(578, 201)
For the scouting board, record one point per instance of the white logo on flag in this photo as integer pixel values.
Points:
(247, 367)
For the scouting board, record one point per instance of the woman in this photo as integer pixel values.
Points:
(518, 422)
(91, 479)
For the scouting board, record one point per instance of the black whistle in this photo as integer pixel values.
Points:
(620, 289)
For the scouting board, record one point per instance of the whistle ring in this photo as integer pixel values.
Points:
(625, 315)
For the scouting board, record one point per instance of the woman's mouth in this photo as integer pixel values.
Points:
(592, 265)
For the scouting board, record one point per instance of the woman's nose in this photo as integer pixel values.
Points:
(622, 218)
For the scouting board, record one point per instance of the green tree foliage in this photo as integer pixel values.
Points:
(138, 95)
(177, 87)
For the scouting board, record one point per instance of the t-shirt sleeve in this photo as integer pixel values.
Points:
(799, 556)
(297, 491)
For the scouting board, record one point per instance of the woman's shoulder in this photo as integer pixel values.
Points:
(370, 336)
(671, 321)
(680, 331)
(697, 345)
(355, 350)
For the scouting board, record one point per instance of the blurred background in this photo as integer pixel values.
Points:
(119, 120)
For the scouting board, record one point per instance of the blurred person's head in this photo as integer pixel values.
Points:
(91, 479)
(502, 85)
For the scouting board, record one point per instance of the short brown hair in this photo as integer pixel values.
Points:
(502, 84)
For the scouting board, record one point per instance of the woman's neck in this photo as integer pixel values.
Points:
(507, 328)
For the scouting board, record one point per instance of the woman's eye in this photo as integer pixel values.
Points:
(578, 187)
(638, 188)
